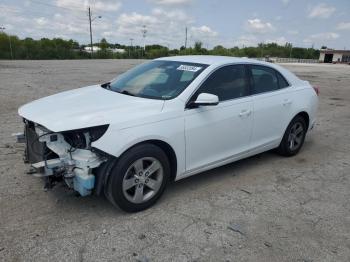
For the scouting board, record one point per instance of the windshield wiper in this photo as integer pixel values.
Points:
(108, 87)
(125, 92)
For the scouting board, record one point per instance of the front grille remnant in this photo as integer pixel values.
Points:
(36, 151)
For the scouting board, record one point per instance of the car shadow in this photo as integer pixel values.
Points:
(225, 172)
(181, 187)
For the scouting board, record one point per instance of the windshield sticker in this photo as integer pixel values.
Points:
(189, 68)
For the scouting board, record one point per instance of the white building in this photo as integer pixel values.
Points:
(334, 56)
(88, 49)
(117, 50)
(97, 48)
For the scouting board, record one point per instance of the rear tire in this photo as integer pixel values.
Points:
(139, 178)
(293, 138)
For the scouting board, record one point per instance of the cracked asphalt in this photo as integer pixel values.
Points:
(265, 208)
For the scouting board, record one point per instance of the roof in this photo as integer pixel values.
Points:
(216, 61)
(330, 51)
(208, 59)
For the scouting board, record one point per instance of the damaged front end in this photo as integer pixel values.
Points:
(66, 156)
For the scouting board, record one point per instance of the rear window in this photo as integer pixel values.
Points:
(266, 79)
(282, 82)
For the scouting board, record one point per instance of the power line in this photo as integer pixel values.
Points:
(60, 8)
(16, 9)
(35, 14)
(67, 8)
(56, 6)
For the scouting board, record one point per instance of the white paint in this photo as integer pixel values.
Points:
(337, 57)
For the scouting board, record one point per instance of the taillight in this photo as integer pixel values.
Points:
(317, 89)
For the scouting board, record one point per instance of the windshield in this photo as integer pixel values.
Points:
(157, 79)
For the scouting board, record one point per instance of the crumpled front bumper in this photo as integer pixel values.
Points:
(54, 158)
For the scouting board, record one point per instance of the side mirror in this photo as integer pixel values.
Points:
(205, 99)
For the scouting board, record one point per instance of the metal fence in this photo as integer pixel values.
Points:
(288, 60)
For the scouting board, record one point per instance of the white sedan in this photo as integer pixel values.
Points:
(164, 120)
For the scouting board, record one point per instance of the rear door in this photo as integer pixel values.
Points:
(272, 101)
(216, 133)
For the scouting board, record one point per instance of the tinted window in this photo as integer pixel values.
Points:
(228, 82)
(264, 79)
(157, 79)
(282, 83)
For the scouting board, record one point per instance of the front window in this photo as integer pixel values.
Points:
(157, 79)
(228, 82)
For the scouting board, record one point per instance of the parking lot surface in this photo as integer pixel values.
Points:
(265, 208)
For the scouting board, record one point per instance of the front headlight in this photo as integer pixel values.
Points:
(82, 138)
(97, 132)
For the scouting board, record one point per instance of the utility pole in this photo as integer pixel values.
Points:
(144, 32)
(9, 37)
(186, 38)
(130, 48)
(90, 22)
(92, 49)
(10, 46)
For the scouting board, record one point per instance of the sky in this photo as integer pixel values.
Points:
(304, 23)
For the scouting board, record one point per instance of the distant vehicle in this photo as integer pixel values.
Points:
(268, 59)
(166, 120)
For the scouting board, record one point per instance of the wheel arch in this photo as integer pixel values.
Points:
(168, 150)
(281, 149)
(306, 117)
(103, 172)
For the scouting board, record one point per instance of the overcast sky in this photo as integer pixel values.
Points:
(226, 22)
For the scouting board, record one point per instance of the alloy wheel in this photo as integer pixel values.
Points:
(142, 180)
(296, 135)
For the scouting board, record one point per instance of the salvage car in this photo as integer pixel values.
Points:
(166, 119)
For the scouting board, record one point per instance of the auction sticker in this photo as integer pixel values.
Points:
(189, 68)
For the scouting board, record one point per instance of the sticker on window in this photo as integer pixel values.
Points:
(189, 68)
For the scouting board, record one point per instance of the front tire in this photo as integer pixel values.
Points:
(139, 178)
(293, 138)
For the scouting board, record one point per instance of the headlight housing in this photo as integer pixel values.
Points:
(82, 138)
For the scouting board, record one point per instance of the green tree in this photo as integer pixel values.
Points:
(58, 48)
(104, 44)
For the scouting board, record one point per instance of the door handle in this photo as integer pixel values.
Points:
(245, 113)
(287, 102)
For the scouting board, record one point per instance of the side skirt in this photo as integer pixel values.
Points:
(228, 160)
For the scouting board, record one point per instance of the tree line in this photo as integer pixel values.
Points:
(12, 47)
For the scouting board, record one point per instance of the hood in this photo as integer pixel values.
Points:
(87, 107)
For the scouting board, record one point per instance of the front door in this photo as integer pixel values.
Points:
(216, 133)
